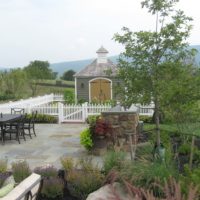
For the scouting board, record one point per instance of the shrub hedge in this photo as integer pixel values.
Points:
(41, 118)
(146, 118)
(86, 139)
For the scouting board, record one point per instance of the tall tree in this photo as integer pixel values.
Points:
(38, 71)
(147, 51)
(13, 83)
(68, 75)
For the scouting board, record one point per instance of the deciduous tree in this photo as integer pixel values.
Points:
(68, 75)
(13, 83)
(38, 71)
(147, 51)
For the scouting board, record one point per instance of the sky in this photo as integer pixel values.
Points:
(67, 30)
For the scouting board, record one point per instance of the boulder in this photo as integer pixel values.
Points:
(110, 192)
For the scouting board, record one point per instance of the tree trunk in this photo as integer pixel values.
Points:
(191, 152)
(157, 121)
(33, 86)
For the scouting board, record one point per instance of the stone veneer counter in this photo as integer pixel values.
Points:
(123, 120)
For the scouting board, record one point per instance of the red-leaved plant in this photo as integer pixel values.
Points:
(171, 189)
(102, 128)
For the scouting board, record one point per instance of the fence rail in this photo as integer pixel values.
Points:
(48, 109)
(51, 105)
(146, 110)
(79, 113)
(30, 103)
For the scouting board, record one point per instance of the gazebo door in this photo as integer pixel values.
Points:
(100, 90)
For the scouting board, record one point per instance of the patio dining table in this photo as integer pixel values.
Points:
(6, 118)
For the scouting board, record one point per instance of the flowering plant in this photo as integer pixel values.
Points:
(102, 127)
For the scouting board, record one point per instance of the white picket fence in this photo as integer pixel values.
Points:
(30, 103)
(47, 109)
(81, 112)
(147, 110)
(52, 105)
(72, 113)
(58, 97)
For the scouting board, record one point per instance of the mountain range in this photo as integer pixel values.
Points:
(80, 64)
(77, 65)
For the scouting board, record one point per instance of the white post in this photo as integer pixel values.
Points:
(83, 112)
(152, 110)
(86, 110)
(76, 100)
(52, 97)
(60, 112)
(28, 109)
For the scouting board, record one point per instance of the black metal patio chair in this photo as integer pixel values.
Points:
(14, 111)
(30, 124)
(1, 136)
(17, 110)
(16, 129)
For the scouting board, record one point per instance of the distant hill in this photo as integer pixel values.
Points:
(4, 69)
(61, 67)
(75, 65)
(198, 54)
(80, 64)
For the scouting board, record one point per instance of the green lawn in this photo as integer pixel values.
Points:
(54, 82)
(54, 87)
(42, 90)
(186, 128)
(45, 89)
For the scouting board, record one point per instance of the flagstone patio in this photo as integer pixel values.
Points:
(52, 142)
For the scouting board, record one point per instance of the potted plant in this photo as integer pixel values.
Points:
(102, 128)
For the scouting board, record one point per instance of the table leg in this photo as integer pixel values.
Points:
(2, 134)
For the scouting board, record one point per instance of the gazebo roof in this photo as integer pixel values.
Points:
(96, 69)
(101, 50)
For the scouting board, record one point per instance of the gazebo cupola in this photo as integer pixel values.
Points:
(102, 55)
(96, 81)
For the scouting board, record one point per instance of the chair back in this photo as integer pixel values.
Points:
(17, 110)
(31, 119)
(21, 121)
(34, 116)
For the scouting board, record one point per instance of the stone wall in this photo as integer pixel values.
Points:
(122, 121)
